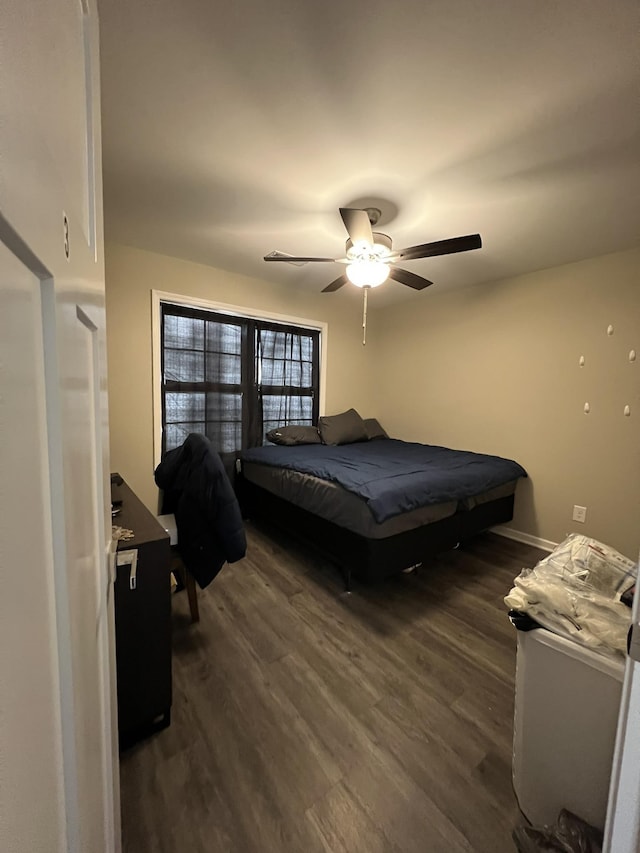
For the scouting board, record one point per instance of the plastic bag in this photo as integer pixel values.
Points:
(575, 591)
(569, 835)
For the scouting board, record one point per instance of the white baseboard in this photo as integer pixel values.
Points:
(526, 538)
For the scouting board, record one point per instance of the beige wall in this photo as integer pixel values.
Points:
(132, 274)
(494, 368)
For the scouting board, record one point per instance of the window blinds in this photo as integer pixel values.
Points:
(234, 378)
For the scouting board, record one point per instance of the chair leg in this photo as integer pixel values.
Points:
(190, 583)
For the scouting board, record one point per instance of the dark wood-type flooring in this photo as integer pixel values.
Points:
(306, 720)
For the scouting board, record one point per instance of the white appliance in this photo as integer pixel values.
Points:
(566, 714)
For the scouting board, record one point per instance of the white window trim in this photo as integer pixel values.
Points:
(159, 296)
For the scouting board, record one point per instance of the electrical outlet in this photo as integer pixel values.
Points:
(580, 514)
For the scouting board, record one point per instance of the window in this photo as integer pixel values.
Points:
(234, 378)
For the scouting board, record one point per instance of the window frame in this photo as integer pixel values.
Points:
(158, 297)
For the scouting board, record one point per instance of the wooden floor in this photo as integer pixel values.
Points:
(308, 720)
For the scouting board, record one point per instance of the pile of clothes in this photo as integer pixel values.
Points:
(582, 590)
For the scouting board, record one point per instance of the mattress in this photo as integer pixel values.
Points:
(346, 509)
(394, 477)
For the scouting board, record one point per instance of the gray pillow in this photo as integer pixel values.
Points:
(294, 434)
(374, 430)
(344, 428)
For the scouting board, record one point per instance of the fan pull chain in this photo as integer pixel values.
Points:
(365, 291)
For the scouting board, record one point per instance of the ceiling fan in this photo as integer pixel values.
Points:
(370, 258)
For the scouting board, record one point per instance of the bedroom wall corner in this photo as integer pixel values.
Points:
(496, 368)
(132, 274)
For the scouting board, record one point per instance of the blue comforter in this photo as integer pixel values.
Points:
(394, 476)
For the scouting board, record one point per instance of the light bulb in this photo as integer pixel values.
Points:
(367, 273)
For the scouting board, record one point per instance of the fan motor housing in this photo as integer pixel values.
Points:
(381, 246)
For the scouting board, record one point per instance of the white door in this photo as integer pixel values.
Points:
(622, 832)
(58, 744)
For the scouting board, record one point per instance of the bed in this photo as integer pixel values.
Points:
(378, 507)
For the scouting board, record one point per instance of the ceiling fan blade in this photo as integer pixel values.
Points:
(357, 224)
(290, 259)
(439, 247)
(336, 284)
(409, 278)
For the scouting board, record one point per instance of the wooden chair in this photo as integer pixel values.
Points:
(178, 567)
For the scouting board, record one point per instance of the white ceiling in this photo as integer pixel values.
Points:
(232, 129)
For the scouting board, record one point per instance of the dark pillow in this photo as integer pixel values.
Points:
(374, 430)
(344, 428)
(294, 434)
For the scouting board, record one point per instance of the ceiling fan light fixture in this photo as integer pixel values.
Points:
(367, 273)
(362, 250)
(370, 258)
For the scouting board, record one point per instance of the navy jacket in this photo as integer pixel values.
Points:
(198, 492)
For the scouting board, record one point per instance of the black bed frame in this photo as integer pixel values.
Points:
(371, 560)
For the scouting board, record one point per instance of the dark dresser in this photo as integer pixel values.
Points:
(143, 619)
